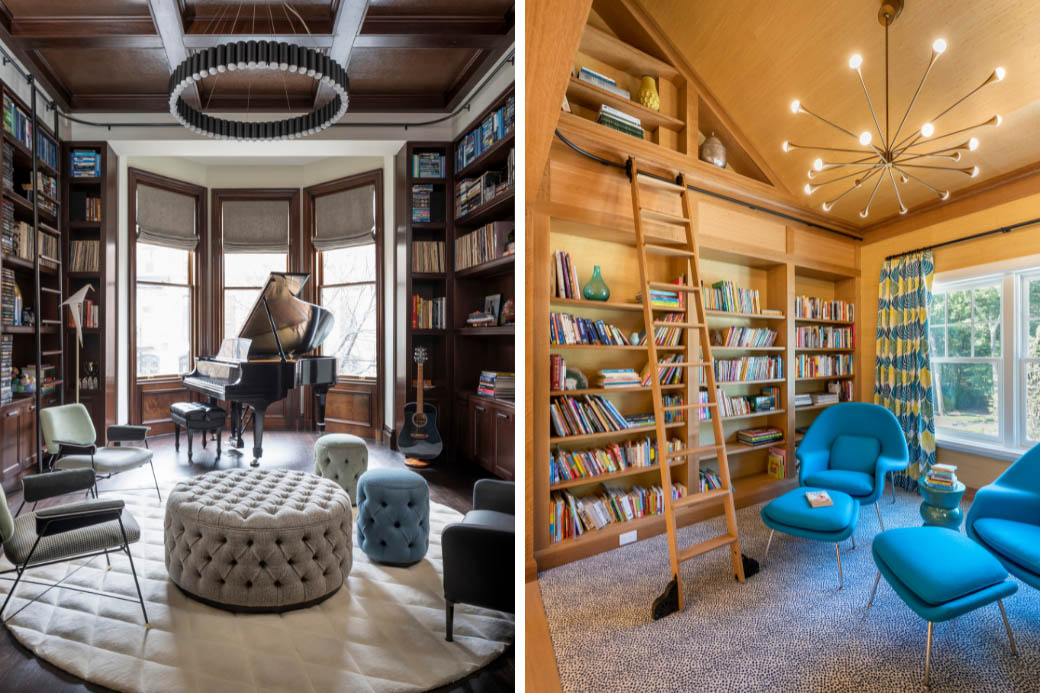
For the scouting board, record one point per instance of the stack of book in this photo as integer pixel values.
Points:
(557, 373)
(727, 297)
(83, 256)
(471, 193)
(802, 399)
(23, 241)
(566, 465)
(710, 480)
(92, 209)
(428, 313)
(422, 197)
(428, 165)
(489, 242)
(9, 239)
(10, 310)
(8, 167)
(497, 385)
(669, 376)
(666, 336)
(573, 416)
(494, 127)
(622, 122)
(617, 377)
(776, 463)
(603, 82)
(845, 391)
(90, 314)
(565, 276)
(427, 256)
(760, 436)
(743, 337)
(672, 300)
(18, 122)
(479, 318)
(823, 309)
(825, 337)
(749, 368)
(824, 397)
(86, 163)
(6, 349)
(565, 328)
(47, 150)
(942, 475)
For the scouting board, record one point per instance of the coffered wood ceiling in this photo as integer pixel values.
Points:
(758, 59)
(116, 55)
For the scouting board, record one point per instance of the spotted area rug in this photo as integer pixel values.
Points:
(787, 628)
(382, 631)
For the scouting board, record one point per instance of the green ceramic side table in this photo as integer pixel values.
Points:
(941, 506)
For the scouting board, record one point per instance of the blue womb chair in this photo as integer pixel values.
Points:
(1005, 518)
(849, 448)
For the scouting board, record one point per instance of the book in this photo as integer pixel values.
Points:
(776, 463)
(818, 499)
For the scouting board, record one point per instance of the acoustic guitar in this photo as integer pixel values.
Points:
(419, 435)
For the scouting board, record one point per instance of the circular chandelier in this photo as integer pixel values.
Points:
(258, 55)
(891, 157)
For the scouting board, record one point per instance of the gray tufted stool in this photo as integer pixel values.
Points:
(342, 458)
(258, 540)
(393, 516)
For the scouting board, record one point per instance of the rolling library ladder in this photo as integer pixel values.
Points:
(695, 320)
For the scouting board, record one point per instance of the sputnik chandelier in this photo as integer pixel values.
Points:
(906, 159)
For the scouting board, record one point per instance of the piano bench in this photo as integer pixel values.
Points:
(196, 416)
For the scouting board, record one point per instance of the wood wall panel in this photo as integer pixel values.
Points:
(351, 408)
(154, 400)
(823, 247)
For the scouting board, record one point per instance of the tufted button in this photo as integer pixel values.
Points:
(234, 562)
(263, 564)
(382, 542)
(249, 583)
(277, 583)
(383, 504)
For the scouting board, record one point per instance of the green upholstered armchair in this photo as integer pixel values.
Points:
(68, 436)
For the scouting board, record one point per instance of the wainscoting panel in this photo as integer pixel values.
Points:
(352, 406)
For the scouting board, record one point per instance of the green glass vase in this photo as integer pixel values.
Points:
(596, 289)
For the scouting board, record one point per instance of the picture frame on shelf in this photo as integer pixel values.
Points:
(493, 306)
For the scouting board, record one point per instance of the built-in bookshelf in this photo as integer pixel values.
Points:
(89, 245)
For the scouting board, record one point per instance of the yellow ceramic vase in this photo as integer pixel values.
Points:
(648, 93)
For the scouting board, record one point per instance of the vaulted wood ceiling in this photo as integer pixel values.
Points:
(116, 55)
(756, 56)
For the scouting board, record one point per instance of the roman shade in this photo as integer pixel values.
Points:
(345, 219)
(255, 226)
(166, 218)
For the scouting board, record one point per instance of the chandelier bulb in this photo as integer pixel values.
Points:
(956, 156)
(927, 129)
(974, 171)
(864, 212)
(973, 144)
(811, 174)
(796, 106)
(1000, 72)
(817, 165)
(902, 209)
(904, 180)
(939, 46)
(945, 195)
(786, 146)
(826, 206)
(809, 189)
(855, 61)
(865, 137)
(998, 119)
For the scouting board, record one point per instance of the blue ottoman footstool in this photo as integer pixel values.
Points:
(792, 514)
(393, 521)
(940, 575)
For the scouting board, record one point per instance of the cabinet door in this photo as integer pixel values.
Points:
(504, 436)
(10, 461)
(481, 435)
(27, 435)
(460, 426)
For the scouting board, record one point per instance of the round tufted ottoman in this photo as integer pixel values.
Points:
(342, 458)
(393, 516)
(260, 540)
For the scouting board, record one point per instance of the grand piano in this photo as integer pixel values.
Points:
(268, 359)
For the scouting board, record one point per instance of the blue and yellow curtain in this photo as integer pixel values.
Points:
(902, 373)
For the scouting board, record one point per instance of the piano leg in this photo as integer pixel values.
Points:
(258, 434)
(321, 391)
(236, 425)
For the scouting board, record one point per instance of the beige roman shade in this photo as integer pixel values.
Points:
(345, 219)
(166, 218)
(255, 226)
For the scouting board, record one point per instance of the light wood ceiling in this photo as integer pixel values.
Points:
(760, 57)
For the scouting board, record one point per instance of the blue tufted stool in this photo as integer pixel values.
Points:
(940, 575)
(342, 458)
(393, 516)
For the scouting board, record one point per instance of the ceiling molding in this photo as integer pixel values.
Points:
(81, 26)
(158, 102)
(478, 69)
(48, 83)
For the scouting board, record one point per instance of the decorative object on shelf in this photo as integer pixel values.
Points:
(508, 316)
(713, 151)
(28, 317)
(596, 289)
(75, 304)
(493, 306)
(648, 93)
(892, 156)
(259, 55)
(575, 380)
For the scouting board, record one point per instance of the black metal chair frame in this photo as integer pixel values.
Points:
(120, 434)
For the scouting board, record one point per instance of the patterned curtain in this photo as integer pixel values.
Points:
(902, 375)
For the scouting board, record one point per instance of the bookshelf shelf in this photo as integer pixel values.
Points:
(21, 263)
(493, 157)
(823, 350)
(754, 415)
(726, 383)
(623, 347)
(734, 448)
(775, 349)
(606, 48)
(599, 478)
(608, 390)
(499, 266)
(826, 377)
(727, 314)
(591, 97)
(497, 331)
(815, 407)
(489, 211)
(432, 276)
(606, 305)
(821, 321)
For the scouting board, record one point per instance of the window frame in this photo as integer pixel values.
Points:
(1012, 278)
(197, 260)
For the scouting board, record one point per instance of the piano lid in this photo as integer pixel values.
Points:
(301, 326)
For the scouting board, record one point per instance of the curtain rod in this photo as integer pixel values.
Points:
(972, 237)
(626, 167)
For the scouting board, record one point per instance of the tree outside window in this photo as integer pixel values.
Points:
(163, 306)
(348, 290)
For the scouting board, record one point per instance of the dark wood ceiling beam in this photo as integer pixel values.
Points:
(166, 14)
(58, 91)
(71, 27)
(202, 41)
(456, 25)
(345, 28)
(359, 103)
(88, 42)
(430, 41)
(477, 71)
(244, 25)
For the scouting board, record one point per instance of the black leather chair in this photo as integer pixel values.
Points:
(478, 552)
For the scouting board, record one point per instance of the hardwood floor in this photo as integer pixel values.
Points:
(20, 670)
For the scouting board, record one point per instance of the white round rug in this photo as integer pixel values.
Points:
(382, 631)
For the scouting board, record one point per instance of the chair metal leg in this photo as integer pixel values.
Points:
(19, 512)
(853, 538)
(449, 617)
(176, 438)
(190, 436)
(108, 561)
(928, 658)
(841, 579)
(1014, 650)
(155, 480)
(768, 544)
(873, 592)
(133, 570)
(19, 577)
(892, 483)
(880, 521)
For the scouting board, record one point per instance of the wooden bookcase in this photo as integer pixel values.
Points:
(484, 430)
(99, 343)
(438, 341)
(18, 418)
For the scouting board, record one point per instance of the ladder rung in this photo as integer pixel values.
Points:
(688, 452)
(683, 364)
(663, 217)
(654, 182)
(686, 407)
(686, 325)
(706, 546)
(715, 494)
(666, 250)
(684, 288)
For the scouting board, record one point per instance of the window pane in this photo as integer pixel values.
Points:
(1033, 291)
(251, 269)
(959, 306)
(959, 340)
(984, 341)
(163, 330)
(987, 320)
(348, 265)
(237, 304)
(937, 343)
(937, 309)
(158, 264)
(353, 337)
(1033, 401)
(1033, 342)
(968, 396)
